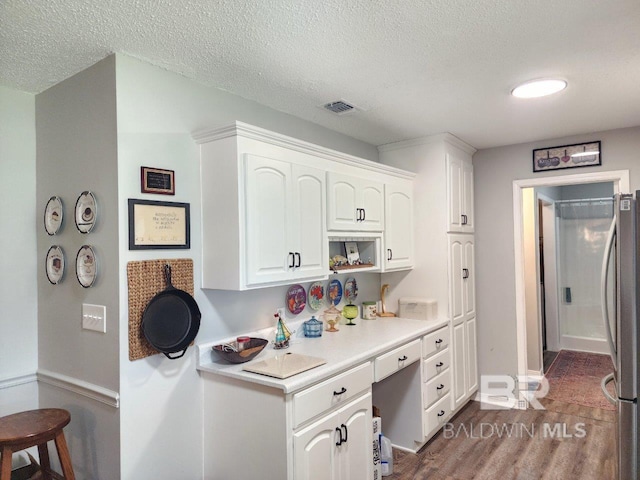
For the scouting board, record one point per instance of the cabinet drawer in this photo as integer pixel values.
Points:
(435, 341)
(436, 388)
(396, 359)
(436, 364)
(335, 391)
(436, 415)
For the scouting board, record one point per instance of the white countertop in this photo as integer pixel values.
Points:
(351, 346)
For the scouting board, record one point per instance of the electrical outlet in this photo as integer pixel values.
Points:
(94, 317)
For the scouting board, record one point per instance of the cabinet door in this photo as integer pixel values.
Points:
(315, 453)
(398, 230)
(372, 204)
(268, 207)
(468, 278)
(343, 202)
(459, 365)
(472, 356)
(454, 193)
(456, 282)
(467, 196)
(356, 454)
(311, 245)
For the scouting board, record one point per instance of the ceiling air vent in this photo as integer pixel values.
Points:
(339, 107)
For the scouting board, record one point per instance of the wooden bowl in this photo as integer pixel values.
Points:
(256, 345)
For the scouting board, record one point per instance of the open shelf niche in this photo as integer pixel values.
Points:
(369, 248)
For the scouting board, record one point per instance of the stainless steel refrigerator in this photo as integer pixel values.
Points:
(620, 296)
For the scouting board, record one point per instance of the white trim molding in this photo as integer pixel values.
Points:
(75, 385)
(620, 179)
(17, 380)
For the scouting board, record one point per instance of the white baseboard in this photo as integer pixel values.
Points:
(86, 389)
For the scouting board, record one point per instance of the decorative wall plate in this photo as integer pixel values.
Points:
(86, 266)
(296, 299)
(54, 264)
(334, 292)
(316, 295)
(53, 215)
(350, 288)
(86, 212)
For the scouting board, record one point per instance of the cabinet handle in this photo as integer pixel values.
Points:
(297, 255)
(339, 442)
(402, 358)
(358, 214)
(439, 341)
(465, 273)
(440, 387)
(346, 433)
(464, 219)
(364, 214)
(439, 364)
(441, 413)
(293, 260)
(342, 390)
(389, 254)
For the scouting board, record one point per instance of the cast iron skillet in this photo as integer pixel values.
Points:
(171, 320)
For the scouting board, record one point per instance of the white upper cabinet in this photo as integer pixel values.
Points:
(459, 194)
(266, 199)
(398, 227)
(286, 235)
(355, 204)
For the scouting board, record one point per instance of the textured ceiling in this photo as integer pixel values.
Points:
(416, 67)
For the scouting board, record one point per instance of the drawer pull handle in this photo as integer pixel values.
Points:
(402, 358)
(439, 364)
(439, 341)
(441, 413)
(346, 433)
(342, 390)
(440, 387)
(340, 441)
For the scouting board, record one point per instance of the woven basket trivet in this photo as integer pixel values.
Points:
(145, 279)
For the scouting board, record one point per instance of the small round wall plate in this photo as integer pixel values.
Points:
(350, 288)
(316, 295)
(86, 212)
(296, 299)
(86, 266)
(53, 214)
(334, 292)
(54, 264)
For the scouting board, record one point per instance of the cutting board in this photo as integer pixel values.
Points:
(284, 365)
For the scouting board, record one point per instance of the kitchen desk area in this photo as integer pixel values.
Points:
(318, 423)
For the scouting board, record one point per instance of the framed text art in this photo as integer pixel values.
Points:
(567, 156)
(156, 180)
(158, 225)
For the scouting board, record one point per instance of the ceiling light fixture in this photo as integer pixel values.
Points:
(539, 88)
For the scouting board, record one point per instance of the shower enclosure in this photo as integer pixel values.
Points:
(581, 232)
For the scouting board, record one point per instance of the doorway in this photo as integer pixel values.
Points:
(529, 364)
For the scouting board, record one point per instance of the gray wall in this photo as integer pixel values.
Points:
(76, 151)
(20, 265)
(495, 170)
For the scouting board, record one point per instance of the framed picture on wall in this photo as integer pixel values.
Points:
(158, 225)
(567, 156)
(156, 180)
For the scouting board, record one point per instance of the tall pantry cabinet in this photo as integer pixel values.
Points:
(444, 248)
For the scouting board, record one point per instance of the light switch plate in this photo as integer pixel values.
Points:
(94, 317)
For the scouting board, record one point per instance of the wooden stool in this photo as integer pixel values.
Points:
(36, 427)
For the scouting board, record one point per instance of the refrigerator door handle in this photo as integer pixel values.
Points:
(604, 280)
(603, 386)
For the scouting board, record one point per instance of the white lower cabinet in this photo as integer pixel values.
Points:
(465, 363)
(338, 446)
(436, 377)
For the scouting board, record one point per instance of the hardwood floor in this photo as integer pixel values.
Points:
(547, 359)
(564, 441)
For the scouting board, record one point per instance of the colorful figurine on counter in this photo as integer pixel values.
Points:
(282, 334)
